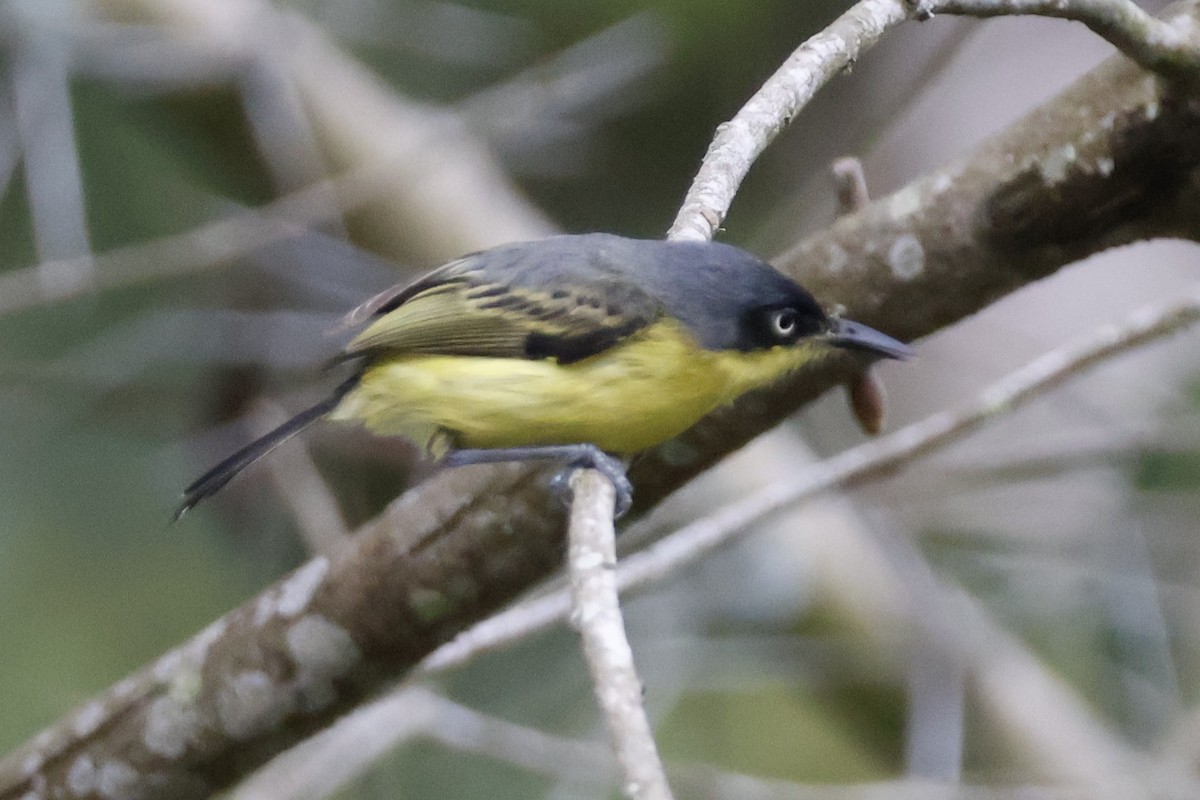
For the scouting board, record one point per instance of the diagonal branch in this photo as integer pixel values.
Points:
(739, 142)
(1170, 47)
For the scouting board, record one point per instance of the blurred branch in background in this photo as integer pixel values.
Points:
(539, 119)
(1112, 161)
(548, 102)
(40, 87)
(528, 107)
(360, 121)
(213, 245)
(332, 760)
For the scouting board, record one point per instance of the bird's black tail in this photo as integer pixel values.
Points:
(211, 482)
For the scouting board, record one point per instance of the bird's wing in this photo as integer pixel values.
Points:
(459, 311)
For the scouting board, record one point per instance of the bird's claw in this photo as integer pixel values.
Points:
(606, 465)
(577, 456)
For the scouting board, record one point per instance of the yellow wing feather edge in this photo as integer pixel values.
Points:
(458, 318)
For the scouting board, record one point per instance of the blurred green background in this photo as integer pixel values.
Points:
(120, 124)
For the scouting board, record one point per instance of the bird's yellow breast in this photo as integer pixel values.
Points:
(635, 395)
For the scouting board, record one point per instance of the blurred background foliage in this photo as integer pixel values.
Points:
(1071, 523)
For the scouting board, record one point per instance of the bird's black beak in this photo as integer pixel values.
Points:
(856, 336)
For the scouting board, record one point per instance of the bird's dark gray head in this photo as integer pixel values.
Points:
(730, 299)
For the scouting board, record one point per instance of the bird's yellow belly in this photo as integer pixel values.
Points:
(634, 396)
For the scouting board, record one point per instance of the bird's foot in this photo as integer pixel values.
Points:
(577, 456)
(591, 457)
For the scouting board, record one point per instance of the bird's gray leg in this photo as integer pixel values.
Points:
(577, 456)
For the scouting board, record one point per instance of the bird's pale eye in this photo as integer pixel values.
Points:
(784, 322)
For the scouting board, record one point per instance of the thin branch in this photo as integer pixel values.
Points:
(850, 183)
(499, 631)
(378, 161)
(1110, 161)
(1033, 707)
(327, 763)
(738, 142)
(275, 114)
(221, 241)
(1170, 47)
(321, 766)
(539, 117)
(199, 248)
(557, 757)
(865, 392)
(726, 786)
(596, 613)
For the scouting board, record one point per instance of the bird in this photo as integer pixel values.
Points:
(584, 348)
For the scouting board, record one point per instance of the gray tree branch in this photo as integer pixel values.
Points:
(1170, 46)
